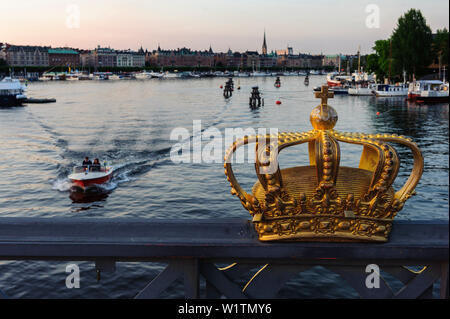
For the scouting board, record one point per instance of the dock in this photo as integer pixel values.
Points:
(38, 101)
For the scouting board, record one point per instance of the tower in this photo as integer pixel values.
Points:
(264, 46)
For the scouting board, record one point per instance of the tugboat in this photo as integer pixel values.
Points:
(84, 177)
(12, 92)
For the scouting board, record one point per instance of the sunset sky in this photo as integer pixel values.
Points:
(308, 26)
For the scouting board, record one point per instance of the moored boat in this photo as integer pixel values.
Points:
(362, 89)
(12, 92)
(258, 74)
(335, 79)
(389, 90)
(144, 75)
(428, 91)
(336, 90)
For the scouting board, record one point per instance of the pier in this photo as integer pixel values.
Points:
(193, 248)
(255, 98)
(229, 88)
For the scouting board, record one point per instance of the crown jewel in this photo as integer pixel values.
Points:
(325, 201)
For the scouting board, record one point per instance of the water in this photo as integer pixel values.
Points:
(129, 123)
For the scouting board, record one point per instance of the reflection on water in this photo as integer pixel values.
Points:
(95, 194)
(128, 124)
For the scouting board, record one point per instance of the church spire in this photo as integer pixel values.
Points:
(264, 46)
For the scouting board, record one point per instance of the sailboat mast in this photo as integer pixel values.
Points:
(339, 64)
(390, 60)
(359, 60)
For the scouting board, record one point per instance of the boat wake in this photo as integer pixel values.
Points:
(123, 173)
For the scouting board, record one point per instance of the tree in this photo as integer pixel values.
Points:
(379, 62)
(440, 46)
(411, 44)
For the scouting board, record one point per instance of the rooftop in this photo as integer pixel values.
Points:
(62, 51)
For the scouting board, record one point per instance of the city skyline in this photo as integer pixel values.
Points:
(239, 26)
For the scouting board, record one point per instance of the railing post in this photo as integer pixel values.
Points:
(444, 280)
(191, 279)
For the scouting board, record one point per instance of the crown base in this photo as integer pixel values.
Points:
(325, 228)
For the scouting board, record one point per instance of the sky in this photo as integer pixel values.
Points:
(313, 26)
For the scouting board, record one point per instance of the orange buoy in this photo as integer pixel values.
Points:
(378, 113)
(278, 102)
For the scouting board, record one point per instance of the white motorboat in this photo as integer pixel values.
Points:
(144, 75)
(12, 92)
(169, 75)
(362, 89)
(84, 177)
(158, 75)
(335, 79)
(113, 77)
(72, 77)
(258, 74)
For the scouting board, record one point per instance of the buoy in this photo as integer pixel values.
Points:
(278, 102)
(378, 113)
(221, 86)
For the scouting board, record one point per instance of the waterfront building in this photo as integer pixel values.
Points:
(63, 57)
(268, 60)
(181, 57)
(105, 57)
(130, 58)
(26, 55)
(333, 60)
(124, 59)
(138, 58)
(287, 59)
(99, 57)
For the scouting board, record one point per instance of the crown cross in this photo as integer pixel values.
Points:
(324, 95)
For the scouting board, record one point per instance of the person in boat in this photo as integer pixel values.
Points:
(87, 162)
(96, 166)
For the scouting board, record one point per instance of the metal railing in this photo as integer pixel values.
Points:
(193, 248)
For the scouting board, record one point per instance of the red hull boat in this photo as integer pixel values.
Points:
(84, 177)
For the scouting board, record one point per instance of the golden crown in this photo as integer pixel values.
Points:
(325, 201)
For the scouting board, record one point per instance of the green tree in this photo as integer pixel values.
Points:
(440, 46)
(411, 44)
(379, 62)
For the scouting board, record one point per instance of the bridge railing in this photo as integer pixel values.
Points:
(192, 250)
